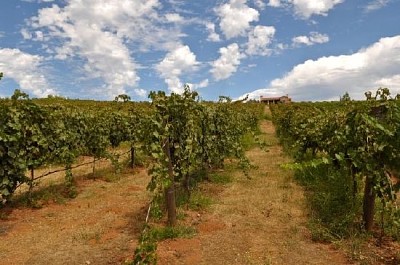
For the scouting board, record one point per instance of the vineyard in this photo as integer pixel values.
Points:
(179, 132)
(183, 138)
(348, 153)
(345, 153)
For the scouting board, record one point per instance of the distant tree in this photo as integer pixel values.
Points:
(1, 75)
(55, 97)
(368, 95)
(345, 97)
(225, 99)
(382, 93)
(123, 98)
(18, 94)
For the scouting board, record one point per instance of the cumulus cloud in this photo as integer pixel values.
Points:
(306, 8)
(235, 18)
(375, 5)
(392, 82)
(174, 18)
(259, 39)
(260, 4)
(140, 92)
(227, 63)
(38, 1)
(105, 35)
(25, 69)
(314, 38)
(212, 35)
(274, 3)
(201, 84)
(175, 63)
(329, 77)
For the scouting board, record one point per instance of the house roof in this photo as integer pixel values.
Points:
(272, 98)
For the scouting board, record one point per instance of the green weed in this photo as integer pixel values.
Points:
(220, 178)
(169, 232)
(199, 201)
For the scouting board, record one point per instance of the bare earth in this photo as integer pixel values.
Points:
(100, 226)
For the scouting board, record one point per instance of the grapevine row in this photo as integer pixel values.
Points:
(33, 135)
(361, 139)
(182, 135)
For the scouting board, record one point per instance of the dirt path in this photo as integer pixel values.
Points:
(100, 226)
(261, 220)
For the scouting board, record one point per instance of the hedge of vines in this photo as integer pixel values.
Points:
(181, 133)
(360, 138)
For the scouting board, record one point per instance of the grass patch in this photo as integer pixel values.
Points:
(87, 235)
(141, 159)
(111, 177)
(145, 253)
(199, 201)
(248, 141)
(267, 116)
(332, 205)
(52, 193)
(168, 232)
(220, 178)
(320, 233)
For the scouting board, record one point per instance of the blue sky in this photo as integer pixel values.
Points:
(91, 49)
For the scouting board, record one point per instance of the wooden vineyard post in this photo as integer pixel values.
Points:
(132, 162)
(94, 167)
(170, 192)
(171, 205)
(31, 185)
(368, 204)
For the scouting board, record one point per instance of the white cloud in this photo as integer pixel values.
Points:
(314, 38)
(375, 5)
(260, 4)
(306, 8)
(392, 82)
(38, 1)
(106, 34)
(39, 35)
(329, 77)
(25, 69)
(259, 39)
(26, 34)
(236, 17)
(212, 35)
(274, 3)
(202, 84)
(301, 40)
(174, 18)
(227, 63)
(281, 46)
(140, 92)
(179, 61)
(247, 68)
